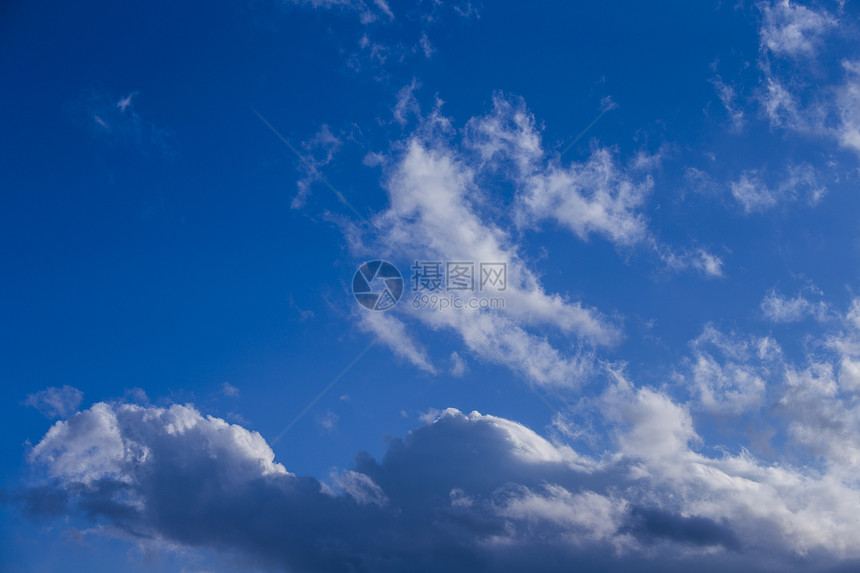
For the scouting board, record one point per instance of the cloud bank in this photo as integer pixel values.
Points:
(480, 492)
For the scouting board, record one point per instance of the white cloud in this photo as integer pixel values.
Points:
(56, 402)
(318, 152)
(779, 308)
(472, 486)
(800, 182)
(508, 133)
(783, 110)
(767, 505)
(458, 365)
(229, 390)
(849, 374)
(848, 107)
(102, 441)
(459, 498)
(703, 261)
(648, 491)
(699, 181)
(392, 332)
(125, 102)
(383, 6)
(820, 402)
(367, 13)
(652, 428)
(523, 443)
(328, 421)
(388, 33)
(115, 121)
(406, 104)
(790, 29)
(360, 488)
(814, 401)
(582, 517)
(441, 210)
(328, 3)
(598, 196)
(801, 96)
(591, 197)
(751, 193)
(430, 416)
(728, 374)
(729, 98)
(426, 46)
(433, 216)
(84, 448)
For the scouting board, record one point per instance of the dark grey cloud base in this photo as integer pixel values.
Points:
(463, 493)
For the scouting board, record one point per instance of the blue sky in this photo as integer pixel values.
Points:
(668, 379)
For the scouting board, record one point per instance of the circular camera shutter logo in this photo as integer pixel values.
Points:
(377, 285)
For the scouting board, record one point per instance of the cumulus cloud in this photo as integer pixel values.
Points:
(820, 397)
(103, 441)
(476, 491)
(463, 492)
(480, 492)
(813, 402)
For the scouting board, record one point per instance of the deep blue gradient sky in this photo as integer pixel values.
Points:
(684, 300)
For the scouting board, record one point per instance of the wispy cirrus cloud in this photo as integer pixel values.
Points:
(439, 210)
(729, 98)
(598, 196)
(433, 216)
(799, 182)
(807, 82)
(798, 93)
(318, 152)
(389, 34)
(56, 402)
(783, 309)
(114, 119)
(792, 29)
(848, 108)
